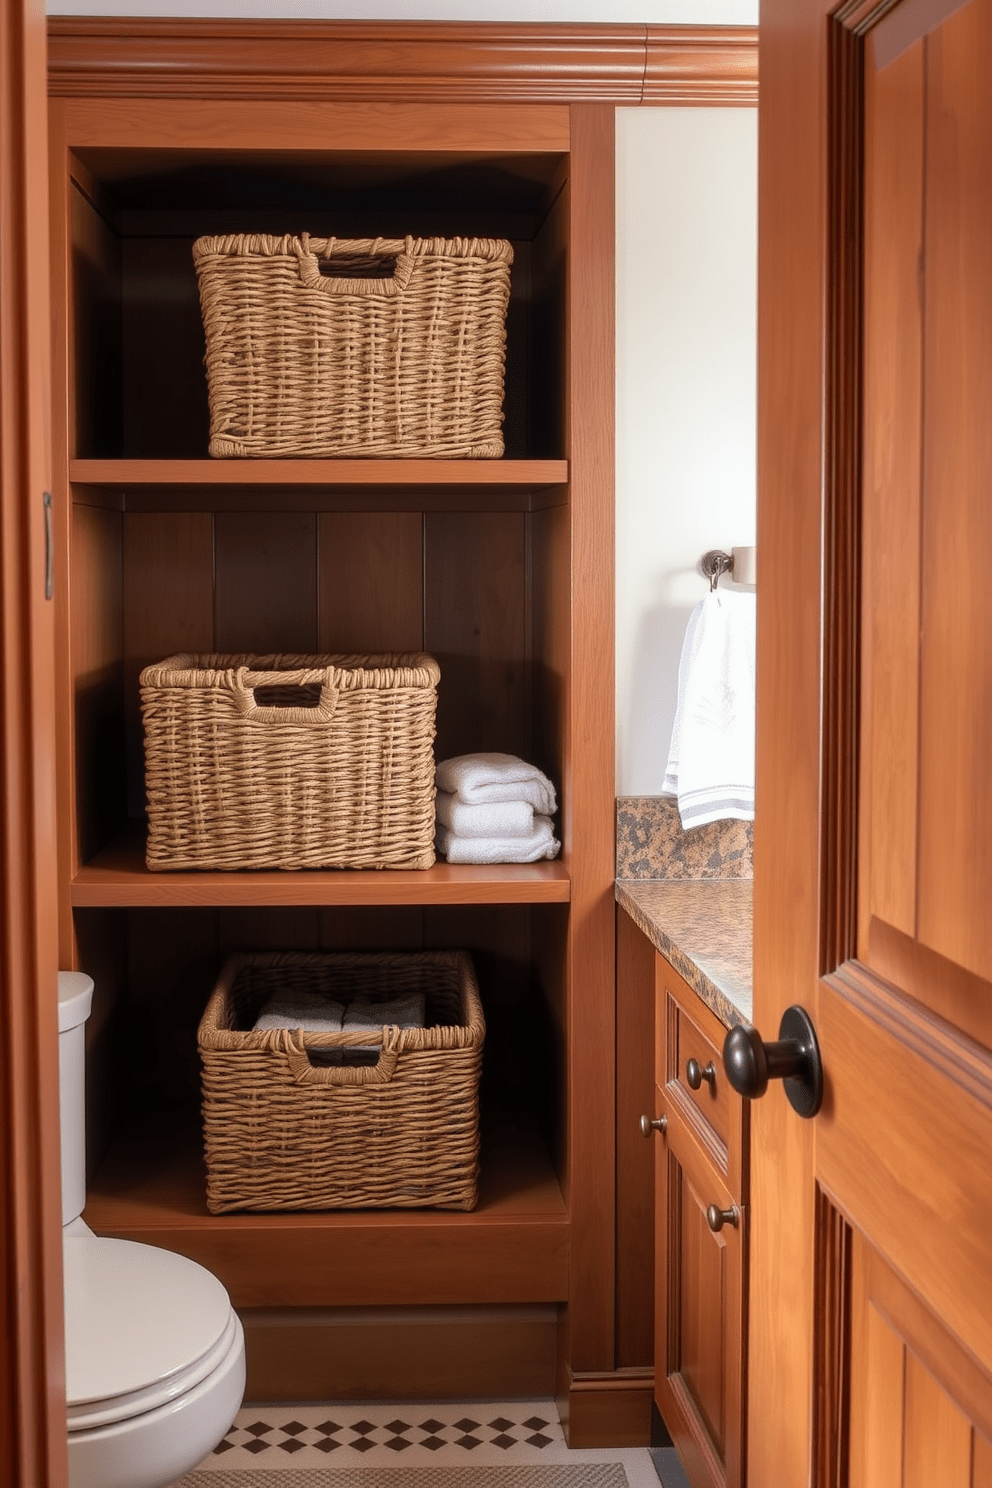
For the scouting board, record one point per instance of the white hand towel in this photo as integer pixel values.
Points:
(540, 844)
(480, 779)
(711, 761)
(306, 1010)
(496, 819)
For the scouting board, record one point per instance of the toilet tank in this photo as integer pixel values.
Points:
(75, 1000)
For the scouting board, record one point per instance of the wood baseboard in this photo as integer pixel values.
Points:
(410, 1353)
(607, 1410)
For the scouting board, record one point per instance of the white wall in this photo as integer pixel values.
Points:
(686, 322)
(686, 233)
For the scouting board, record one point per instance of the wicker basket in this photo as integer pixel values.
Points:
(281, 1132)
(290, 761)
(397, 350)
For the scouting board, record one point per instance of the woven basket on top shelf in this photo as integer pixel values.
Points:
(290, 761)
(364, 347)
(283, 1132)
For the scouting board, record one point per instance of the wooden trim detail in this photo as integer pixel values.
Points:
(831, 1344)
(32, 1380)
(945, 1048)
(607, 1410)
(701, 65)
(430, 62)
(842, 454)
(410, 1353)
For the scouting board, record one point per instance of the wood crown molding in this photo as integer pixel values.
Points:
(454, 62)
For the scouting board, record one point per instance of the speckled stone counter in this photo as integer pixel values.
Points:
(703, 927)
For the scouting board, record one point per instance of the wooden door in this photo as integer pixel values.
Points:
(871, 1226)
(32, 1399)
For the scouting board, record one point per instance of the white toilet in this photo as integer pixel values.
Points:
(155, 1353)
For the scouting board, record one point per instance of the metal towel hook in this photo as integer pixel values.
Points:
(714, 563)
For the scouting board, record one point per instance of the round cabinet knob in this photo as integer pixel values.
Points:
(695, 1074)
(794, 1058)
(716, 1218)
(656, 1124)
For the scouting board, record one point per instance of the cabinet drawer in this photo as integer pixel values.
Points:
(689, 1071)
(696, 1064)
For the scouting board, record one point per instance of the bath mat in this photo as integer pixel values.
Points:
(543, 1475)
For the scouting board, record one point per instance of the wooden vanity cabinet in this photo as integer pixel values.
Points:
(701, 1180)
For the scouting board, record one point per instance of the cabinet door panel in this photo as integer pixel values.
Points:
(699, 1333)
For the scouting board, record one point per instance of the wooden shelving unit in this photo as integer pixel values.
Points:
(500, 568)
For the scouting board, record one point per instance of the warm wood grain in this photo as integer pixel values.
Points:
(96, 644)
(32, 1392)
(265, 583)
(300, 125)
(429, 62)
(701, 65)
(792, 342)
(469, 474)
(635, 1155)
(589, 768)
(920, 1188)
(168, 579)
(370, 582)
(475, 625)
(955, 866)
(118, 876)
(699, 1329)
(718, 1118)
(512, 1248)
(891, 491)
(919, 1403)
(419, 1353)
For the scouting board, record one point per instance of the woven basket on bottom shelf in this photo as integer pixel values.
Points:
(290, 761)
(283, 1133)
(371, 347)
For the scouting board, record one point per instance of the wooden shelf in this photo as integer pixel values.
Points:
(117, 877)
(463, 473)
(512, 1248)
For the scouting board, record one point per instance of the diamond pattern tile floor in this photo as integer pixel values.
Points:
(407, 1434)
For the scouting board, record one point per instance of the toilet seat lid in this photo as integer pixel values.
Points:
(135, 1317)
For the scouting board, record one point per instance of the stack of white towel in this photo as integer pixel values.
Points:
(494, 808)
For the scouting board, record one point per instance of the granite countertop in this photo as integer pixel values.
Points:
(703, 927)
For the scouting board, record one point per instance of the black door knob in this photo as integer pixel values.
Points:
(795, 1058)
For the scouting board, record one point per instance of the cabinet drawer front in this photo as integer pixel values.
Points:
(689, 1070)
(694, 1055)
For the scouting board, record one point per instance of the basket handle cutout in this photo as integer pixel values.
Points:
(286, 697)
(380, 1073)
(376, 284)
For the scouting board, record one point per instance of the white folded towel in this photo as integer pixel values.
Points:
(480, 779)
(309, 1011)
(541, 843)
(711, 761)
(408, 1011)
(495, 819)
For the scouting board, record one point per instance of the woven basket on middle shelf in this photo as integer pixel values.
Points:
(365, 347)
(281, 1132)
(290, 761)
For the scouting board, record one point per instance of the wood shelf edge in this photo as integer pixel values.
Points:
(117, 878)
(337, 473)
